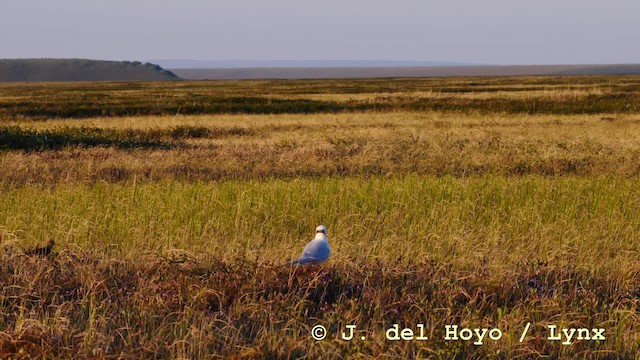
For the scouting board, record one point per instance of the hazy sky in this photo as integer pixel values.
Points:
(469, 31)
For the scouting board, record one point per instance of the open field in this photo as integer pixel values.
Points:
(575, 95)
(479, 202)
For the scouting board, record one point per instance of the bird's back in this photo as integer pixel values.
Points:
(316, 250)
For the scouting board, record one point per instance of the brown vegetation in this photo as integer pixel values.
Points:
(42, 250)
(587, 95)
(201, 308)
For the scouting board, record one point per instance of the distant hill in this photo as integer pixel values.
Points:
(80, 70)
(421, 71)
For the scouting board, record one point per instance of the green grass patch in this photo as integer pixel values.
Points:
(591, 222)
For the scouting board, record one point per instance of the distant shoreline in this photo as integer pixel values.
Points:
(395, 72)
(34, 70)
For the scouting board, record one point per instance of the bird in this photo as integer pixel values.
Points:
(41, 251)
(317, 250)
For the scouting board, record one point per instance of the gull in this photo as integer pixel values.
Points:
(317, 250)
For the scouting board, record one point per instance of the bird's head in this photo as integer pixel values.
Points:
(321, 229)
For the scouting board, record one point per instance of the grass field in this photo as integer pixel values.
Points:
(478, 202)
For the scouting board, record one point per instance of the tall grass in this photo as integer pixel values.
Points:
(592, 222)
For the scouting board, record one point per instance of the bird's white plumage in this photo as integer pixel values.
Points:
(317, 250)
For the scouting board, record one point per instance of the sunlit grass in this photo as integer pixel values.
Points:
(592, 222)
(288, 146)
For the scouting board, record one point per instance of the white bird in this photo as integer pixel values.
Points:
(317, 250)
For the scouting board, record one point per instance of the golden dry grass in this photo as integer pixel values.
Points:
(260, 146)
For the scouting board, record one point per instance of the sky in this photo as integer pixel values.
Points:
(462, 31)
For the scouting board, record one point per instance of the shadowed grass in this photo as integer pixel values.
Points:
(200, 132)
(17, 138)
(82, 305)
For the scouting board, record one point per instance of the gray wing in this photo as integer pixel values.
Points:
(314, 251)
